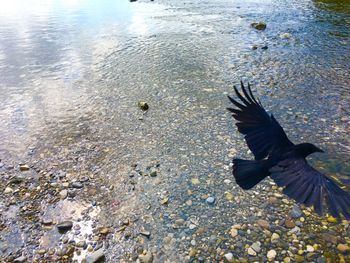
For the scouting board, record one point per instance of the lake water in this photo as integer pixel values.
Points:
(72, 73)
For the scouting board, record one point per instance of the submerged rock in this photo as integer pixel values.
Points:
(143, 105)
(146, 257)
(24, 167)
(259, 25)
(96, 256)
(64, 226)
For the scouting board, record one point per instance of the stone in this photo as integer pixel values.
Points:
(153, 174)
(143, 105)
(330, 238)
(195, 181)
(20, 259)
(286, 260)
(343, 248)
(285, 35)
(8, 190)
(271, 255)
(310, 248)
(24, 167)
(77, 185)
(210, 200)
(103, 230)
(256, 246)
(331, 219)
(192, 252)
(275, 236)
(81, 243)
(64, 226)
(296, 212)
(145, 233)
(146, 257)
(263, 223)
(95, 256)
(233, 232)
(63, 194)
(229, 257)
(259, 25)
(289, 223)
(264, 47)
(251, 252)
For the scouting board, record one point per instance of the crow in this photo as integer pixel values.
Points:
(285, 162)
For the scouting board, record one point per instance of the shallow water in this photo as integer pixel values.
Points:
(72, 72)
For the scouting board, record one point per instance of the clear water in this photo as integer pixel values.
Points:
(72, 72)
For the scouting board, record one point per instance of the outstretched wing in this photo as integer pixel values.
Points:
(262, 132)
(310, 187)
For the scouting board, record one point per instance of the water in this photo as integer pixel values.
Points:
(72, 72)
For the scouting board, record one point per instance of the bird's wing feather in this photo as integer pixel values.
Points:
(262, 132)
(310, 187)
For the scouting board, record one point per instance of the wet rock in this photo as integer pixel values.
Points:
(259, 25)
(310, 248)
(77, 185)
(146, 257)
(285, 35)
(96, 256)
(104, 230)
(264, 47)
(145, 233)
(331, 219)
(81, 243)
(271, 255)
(251, 252)
(63, 194)
(64, 226)
(263, 223)
(343, 248)
(229, 257)
(24, 167)
(41, 251)
(328, 237)
(143, 105)
(289, 223)
(20, 259)
(254, 47)
(8, 190)
(233, 232)
(210, 200)
(275, 236)
(256, 246)
(296, 212)
(153, 174)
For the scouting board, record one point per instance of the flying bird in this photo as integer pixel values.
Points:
(285, 162)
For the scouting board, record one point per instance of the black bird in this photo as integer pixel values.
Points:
(285, 162)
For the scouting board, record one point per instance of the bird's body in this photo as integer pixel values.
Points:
(285, 162)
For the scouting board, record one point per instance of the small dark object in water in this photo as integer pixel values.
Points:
(143, 105)
(276, 156)
(259, 25)
(132, 1)
(265, 47)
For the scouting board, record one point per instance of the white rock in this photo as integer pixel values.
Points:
(275, 236)
(8, 190)
(271, 255)
(310, 248)
(251, 252)
(229, 257)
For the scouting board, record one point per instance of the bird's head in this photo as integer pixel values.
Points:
(306, 149)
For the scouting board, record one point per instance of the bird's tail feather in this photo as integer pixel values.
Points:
(249, 173)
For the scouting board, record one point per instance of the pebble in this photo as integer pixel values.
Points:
(146, 257)
(81, 243)
(275, 236)
(210, 200)
(145, 233)
(285, 35)
(229, 257)
(64, 226)
(20, 259)
(259, 25)
(143, 105)
(8, 190)
(286, 260)
(95, 256)
(343, 248)
(233, 232)
(296, 212)
(331, 219)
(63, 194)
(104, 230)
(310, 248)
(24, 167)
(289, 223)
(256, 246)
(271, 255)
(251, 252)
(77, 185)
(263, 223)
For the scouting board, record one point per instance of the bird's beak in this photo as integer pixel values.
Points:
(319, 150)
